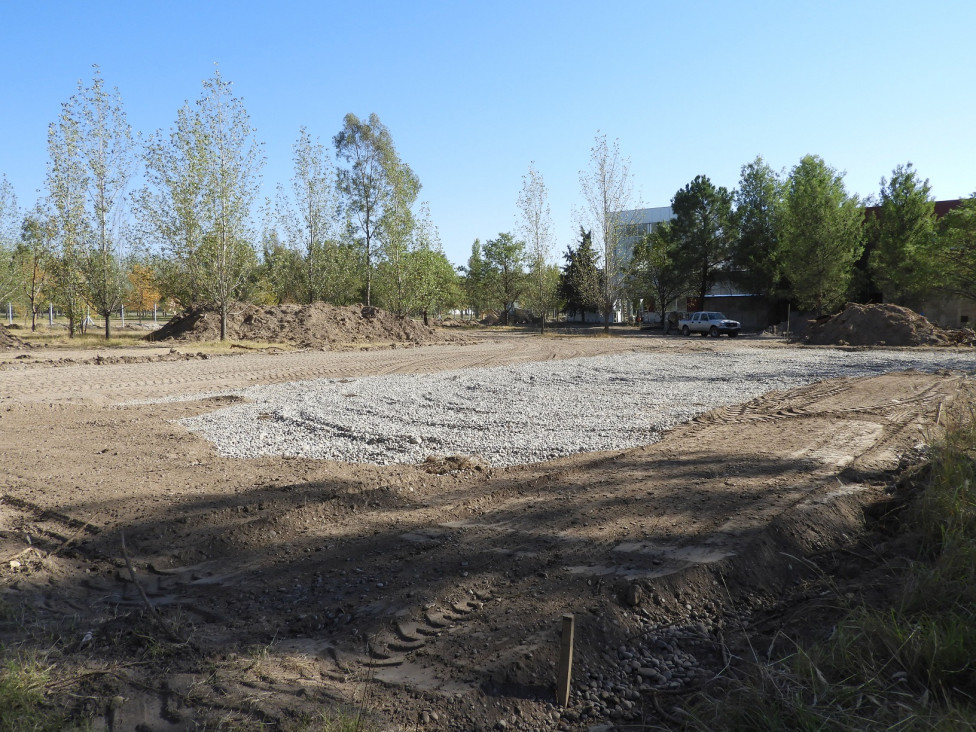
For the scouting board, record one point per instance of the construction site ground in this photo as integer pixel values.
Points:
(172, 588)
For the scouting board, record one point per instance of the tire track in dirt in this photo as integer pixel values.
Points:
(113, 383)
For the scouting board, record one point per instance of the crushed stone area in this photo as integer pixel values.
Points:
(523, 413)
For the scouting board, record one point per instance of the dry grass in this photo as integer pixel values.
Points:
(907, 666)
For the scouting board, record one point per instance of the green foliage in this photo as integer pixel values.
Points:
(654, 270)
(956, 253)
(821, 235)
(704, 231)
(231, 169)
(580, 280)
(505, 276)
(535, 226)
(105, 156)
(755, 251)
(310, 218)
(364, 184)
(902, 238)
(9, 217)
(398, 277)
(203, 178)
(476, 281)
(907, 666)
(23, 707)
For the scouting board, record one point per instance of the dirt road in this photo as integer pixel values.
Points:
(430, 596)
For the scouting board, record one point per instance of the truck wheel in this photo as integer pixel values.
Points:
(713, 332)
(685, 331)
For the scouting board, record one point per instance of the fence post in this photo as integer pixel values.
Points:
(565, 673)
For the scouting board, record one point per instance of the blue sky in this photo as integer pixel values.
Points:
(472, 92)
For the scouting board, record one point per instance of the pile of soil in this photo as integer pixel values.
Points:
(883, 325)
(8, 341)
(319, 325)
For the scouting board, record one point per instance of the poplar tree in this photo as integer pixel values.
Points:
(310, 217)
(9, 216)
(66, 185)
(106, 152)
(396, 233)
(231, 176)
(33, 259)
(607, 189)
(171, 207)
(204, 178)
(364, 184)
(535, 226)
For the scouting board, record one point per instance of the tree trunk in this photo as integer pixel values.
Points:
(223, 321)
(108, 326)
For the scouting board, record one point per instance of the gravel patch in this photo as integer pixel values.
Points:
(523, 413)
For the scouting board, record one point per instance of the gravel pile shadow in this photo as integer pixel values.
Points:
(8, 341)
(319, 325)
(883, 325)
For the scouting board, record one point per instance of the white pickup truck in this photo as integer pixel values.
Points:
(709, 323)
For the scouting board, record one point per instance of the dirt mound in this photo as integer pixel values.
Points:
(307, 326)
(882, 325)
(8, 341)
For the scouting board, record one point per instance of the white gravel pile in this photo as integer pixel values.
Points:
(525, 413)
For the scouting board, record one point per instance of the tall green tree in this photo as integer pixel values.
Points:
(106, 151)
(172, 208)
(755, 249)
(505, 262)
(655, 271)
(363, 182)
(203, 181)
(33, 259)
(535, 226)
(475, 283)
(9, 218)
(822, 235)
(607, 188)
(902, 237)
(956, 254)
(396, 232)
(580, 280)
(67, 182)
(231, 175)
(310, 216)
(434, 284)
(704, 230)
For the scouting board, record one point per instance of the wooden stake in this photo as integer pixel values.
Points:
(565, 673)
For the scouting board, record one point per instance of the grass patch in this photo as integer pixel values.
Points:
(23, 705)
(330, 722)
(94, 338)
(908, 666)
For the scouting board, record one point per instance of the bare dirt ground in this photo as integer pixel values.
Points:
(429, 596)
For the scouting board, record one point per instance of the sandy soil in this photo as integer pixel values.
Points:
(430, 596)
